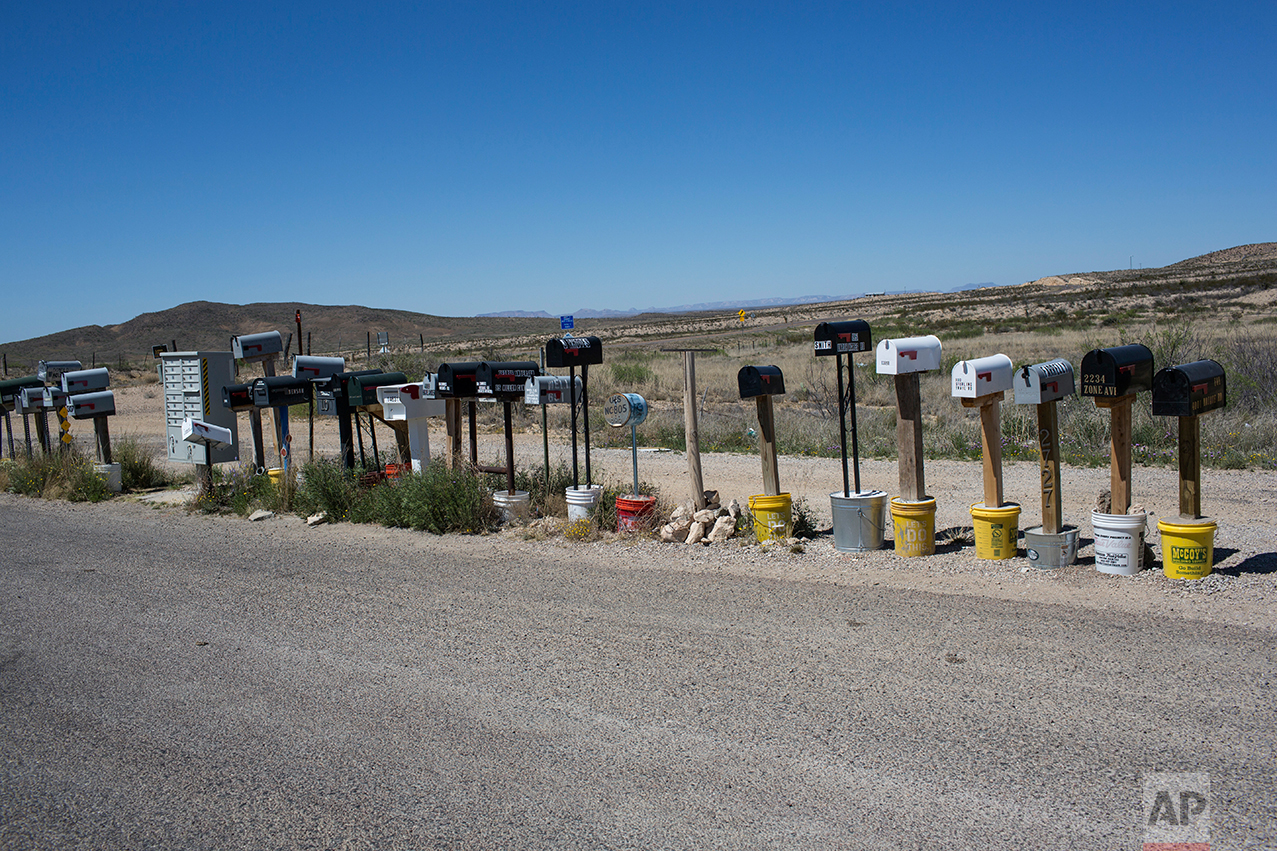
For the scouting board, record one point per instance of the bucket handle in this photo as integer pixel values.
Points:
(860, 512)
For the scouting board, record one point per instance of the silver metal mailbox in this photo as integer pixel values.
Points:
(29, 399)
(1044, 382)
(313, 366)
(978, 377)
(549, 390)
(86, 406)
(908, 354)
(255, 347)
(86, 380)
(51, 370)
(54, 398)
(206, 434)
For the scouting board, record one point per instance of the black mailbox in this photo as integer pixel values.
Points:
(1189, 389)
(562, 352)
(1118, 371)
(506, 380)
(835, 338)
(456, 381)
(238, 397)
(336, 384)
(760, 381)
(362, 389)
(280, 391)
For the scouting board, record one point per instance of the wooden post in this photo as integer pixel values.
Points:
(767, 445)
(1119, 450)
(913, 481)
(1190, 468)
(452, 423)
(991, 441)
(104, 438)
(1049, 455)
(472, 410)
(693, 434)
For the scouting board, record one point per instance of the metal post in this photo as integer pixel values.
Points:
(509, 450)
(545, 432)
(585, 415)
(842, 427)
(855, 440)
(634, 454)
(576, 483)
(474, 433)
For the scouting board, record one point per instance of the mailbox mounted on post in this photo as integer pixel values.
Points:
(86, 380)
(549, 389)
(238, 397)
(312, 367)
(54, 398)
(408, 402)
(562, 352)
(1189, 389)
(256, 347)
(908, 354)
(206, 434)
(1044, 382)
(836, 338)
(279, 391)
(51, 370)
(760, 381)
(86, 406)
(456, 380)
(30, 399)
(1118, 371)
(505, 380)
(361, 391)
(978, 377)
(10, 389)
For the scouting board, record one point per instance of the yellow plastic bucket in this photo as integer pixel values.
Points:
(773, 517)
(1188, 549)
(915, 526)
(275, 474)
(996, 530)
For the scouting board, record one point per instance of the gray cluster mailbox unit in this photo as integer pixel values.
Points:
(1051, 544)
(193, 388)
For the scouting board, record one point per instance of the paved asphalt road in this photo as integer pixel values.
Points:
(188, 682)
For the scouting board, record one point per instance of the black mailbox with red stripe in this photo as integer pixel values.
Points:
(563, 352)
(760, 381)
(238, 397)
(456, 380)
(1117, 371)
(1189, 389)
(361, 391)
(836, 338)
(280, 391)
(505, 380)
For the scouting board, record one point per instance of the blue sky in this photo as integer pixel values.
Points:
(463, 158)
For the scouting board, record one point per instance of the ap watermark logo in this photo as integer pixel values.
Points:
(1176, 814)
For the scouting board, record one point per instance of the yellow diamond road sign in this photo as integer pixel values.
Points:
(66, 438)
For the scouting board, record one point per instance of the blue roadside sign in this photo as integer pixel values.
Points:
(565, 323)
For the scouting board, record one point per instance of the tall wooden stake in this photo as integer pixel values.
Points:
(1190, 468)
(1049, 455)
(913, 481)
(991, 442)
(693, 434)
(767, 445)
(1119, 450)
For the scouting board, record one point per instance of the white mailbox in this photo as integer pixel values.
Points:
(54, 398)
(206, 434)
(981, 376)
(1044, 382)
(908, 354)
(86, 380)
(51, 370)
(315, 367)
(409, 403)
(86, 406)
(550, 389)
(255, 347)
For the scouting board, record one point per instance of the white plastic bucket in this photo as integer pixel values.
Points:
(858, 520)
(513, 506)
(1119, 542)
(113, 475)
(581, 501)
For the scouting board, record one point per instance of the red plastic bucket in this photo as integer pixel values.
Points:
(634, 513)
(394, 471)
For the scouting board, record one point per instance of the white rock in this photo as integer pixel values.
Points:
(704, 516)
(672, 534)
(681, 512)
(695, 533)
(261, 514)
(317, 519)
(724, 528)
(733, 508)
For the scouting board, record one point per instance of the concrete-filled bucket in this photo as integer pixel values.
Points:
(112, 474)
(1050, 551)
(635, 513)
(915, 526)
(997, 530)
(581, 501)
(1119, 542)
(773, 516)
(512, 505)
(859, 523)
(1188, 549)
